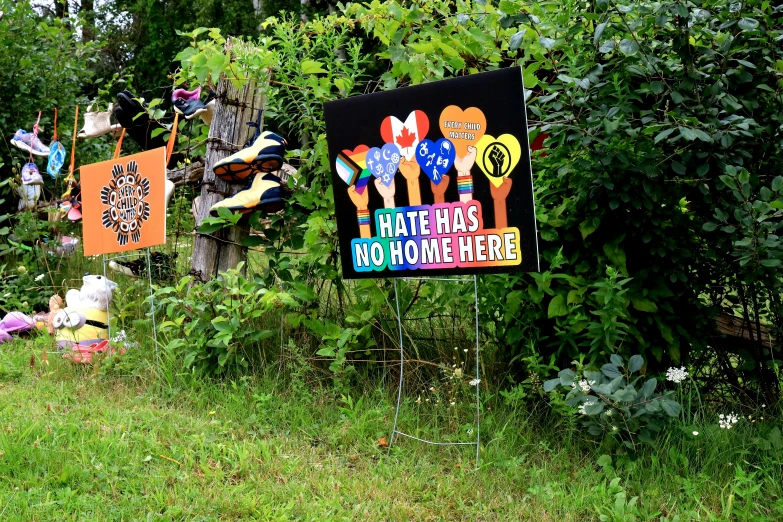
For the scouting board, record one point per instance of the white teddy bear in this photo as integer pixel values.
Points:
(95, 293)
(84, 320)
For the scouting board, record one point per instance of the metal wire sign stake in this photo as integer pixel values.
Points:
(395, 431)
(151, 297)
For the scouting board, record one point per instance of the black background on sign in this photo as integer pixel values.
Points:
(357, 121)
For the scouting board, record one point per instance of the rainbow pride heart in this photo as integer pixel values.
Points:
(497, 157)
(383, 162)
(435, 159)
(349, 163)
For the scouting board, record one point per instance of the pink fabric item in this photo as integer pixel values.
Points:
(16, 322)
(5, 336)
(83, 353)
(182, 94)
(74, 214)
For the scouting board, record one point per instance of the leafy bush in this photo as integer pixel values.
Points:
(612, 402)
(215, 325)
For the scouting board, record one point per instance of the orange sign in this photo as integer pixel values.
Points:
(123, 203)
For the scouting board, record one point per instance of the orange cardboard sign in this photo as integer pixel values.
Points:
(123, 203)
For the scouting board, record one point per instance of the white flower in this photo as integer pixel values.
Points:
(585, 405)
(453, 403)
(676, 375)
(465, 350)
(38, 278)
(120, 337)
(475, 382)
(727, 421)
(584, 385)
(695, 433)
(458, 372)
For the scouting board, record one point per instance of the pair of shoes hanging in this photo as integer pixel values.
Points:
(263, 154)
(189, 104)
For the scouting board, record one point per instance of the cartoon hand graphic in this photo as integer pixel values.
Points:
(411, 171)
(497, 158)
(466, 162)
(362, 214)
(387, 193)
(464, 179)
(499, 195)
(439, 190)
(360, 200)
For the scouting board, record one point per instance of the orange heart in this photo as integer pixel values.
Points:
(462, 128)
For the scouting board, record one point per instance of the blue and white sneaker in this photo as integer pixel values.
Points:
(29, 142)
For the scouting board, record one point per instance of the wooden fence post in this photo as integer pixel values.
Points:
(227, 134)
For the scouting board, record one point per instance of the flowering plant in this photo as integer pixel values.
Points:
(613, 401)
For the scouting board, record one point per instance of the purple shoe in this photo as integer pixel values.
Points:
(182, 94)
(16, 322)
(30, 175)
(5, 337)
(29, 142)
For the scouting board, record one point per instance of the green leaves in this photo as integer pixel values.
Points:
(546, 42)
(635, 363)
(312, 67)
(599, 31)
(748, 24)
(628, 47)
(557, 307)
(516, 40)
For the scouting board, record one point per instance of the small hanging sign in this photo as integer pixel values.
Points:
(123, 203)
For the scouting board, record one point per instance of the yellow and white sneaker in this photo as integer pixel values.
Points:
(264, 193)
(264, 155)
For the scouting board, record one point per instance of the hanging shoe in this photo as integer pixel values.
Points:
(29, 142)
(133, 268)
(30, 175)
(28, 196)
(188, 103)
(56, 159)
(132, 116)
(264, 193)
(265, 155)
(206, 116)
(182, 94)
(96, 123)
(169, 190)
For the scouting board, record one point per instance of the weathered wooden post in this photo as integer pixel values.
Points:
(227, 134)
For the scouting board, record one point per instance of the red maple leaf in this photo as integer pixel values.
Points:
(406, 138)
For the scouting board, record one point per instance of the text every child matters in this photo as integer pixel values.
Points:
(442, 235)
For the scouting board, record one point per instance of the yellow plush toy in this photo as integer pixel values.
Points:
(84, 318)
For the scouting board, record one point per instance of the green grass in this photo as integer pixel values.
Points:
(80, 444)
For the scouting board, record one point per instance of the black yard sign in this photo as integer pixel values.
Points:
(434, 179)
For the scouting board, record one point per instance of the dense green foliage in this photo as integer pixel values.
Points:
(652, 110)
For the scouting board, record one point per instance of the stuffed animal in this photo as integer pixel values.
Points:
(84, 318)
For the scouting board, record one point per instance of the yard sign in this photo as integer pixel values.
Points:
(123, 205)
(434, 179)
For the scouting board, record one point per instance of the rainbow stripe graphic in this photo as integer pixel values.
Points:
(363, 216)
(364, 179)
(465, 184)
